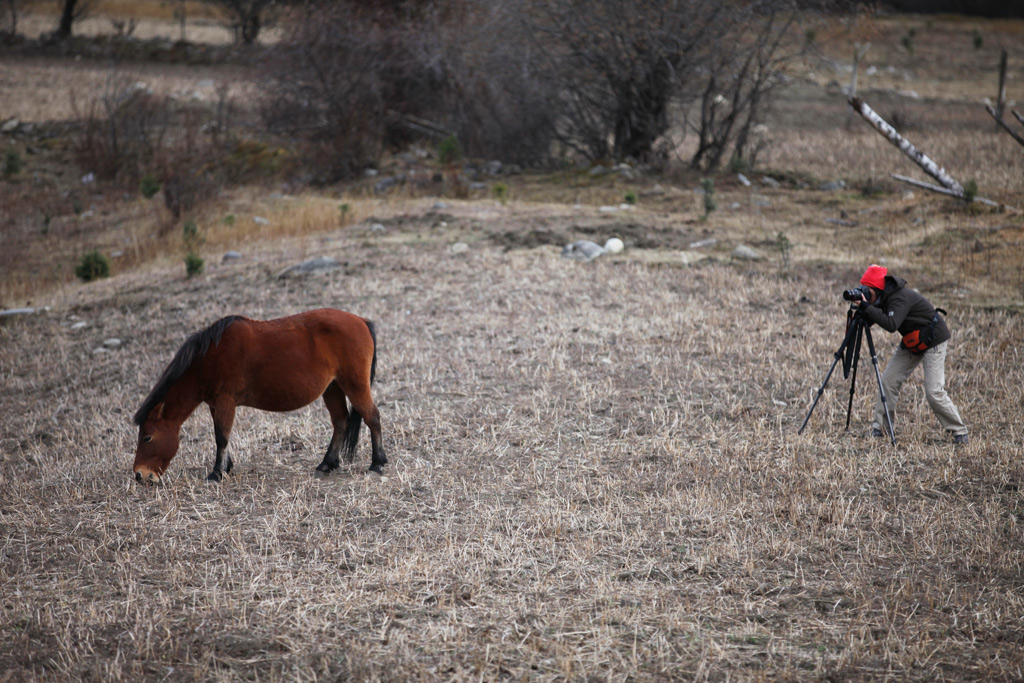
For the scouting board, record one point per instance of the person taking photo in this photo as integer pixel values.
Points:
(887, 302)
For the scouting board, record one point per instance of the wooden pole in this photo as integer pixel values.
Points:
(1001, 100)
(918, 157)
(1004, 125)
(858, 54)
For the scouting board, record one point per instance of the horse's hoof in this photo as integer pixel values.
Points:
(376, 469)
(215, 476)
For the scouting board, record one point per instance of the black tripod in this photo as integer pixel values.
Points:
(856, 329)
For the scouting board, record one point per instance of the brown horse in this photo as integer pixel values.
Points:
(277, 365)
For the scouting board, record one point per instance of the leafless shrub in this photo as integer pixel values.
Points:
(352, 81)
(122, 130)
(190, 147)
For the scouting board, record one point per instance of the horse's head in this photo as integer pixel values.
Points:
(157, 446)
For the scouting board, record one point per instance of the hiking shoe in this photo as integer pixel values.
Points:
(960, 440)
(877, 433)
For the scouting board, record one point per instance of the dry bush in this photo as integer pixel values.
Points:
(123, 130)
(353, 81)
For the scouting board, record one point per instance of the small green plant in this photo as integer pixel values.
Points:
(810, 36)
(785, 247)
(738, 164)
(76, 206)
(346, 211)
(708, 185)
(12, 163)
(190, 234)
(977, 39)
(229, 220)
(500, 191)
(192, 239)
(907, 41)
(193, 264)
(149, 186)
(630, 197)
(47, 218)
(970, 191)
(92, 266)
(449, 150)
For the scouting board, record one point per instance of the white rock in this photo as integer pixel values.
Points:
(745, 253)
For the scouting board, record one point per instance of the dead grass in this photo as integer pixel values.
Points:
(594, 473)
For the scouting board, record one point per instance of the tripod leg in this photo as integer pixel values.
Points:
(838, 357)
(853, 369)
(881, 390)
(821, 390)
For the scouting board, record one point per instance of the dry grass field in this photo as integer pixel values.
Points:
(594, 468)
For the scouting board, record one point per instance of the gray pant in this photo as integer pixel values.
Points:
(896, 373)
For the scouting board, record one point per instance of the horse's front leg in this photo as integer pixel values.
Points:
(223, 419)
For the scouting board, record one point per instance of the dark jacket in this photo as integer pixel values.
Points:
(903, 310)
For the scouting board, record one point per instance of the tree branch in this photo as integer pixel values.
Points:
(1004, 125)
(918, 157)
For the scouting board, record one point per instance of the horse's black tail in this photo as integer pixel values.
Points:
(355, 420)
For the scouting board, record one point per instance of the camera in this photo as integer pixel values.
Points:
(857, 293)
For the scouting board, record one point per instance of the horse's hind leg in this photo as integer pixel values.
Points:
(363, 406)
(334, 399)
(223, 419)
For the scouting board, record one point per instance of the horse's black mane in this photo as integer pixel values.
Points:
(192, 350)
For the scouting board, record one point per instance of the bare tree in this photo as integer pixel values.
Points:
(619, 64)
(626, 68)
(10, 9)
(245, 17)
(71, 11)
(740, 68)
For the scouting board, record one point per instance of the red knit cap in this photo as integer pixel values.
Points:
(874, 276)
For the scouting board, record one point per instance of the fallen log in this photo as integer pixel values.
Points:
(941, 190)
(1004, 125)
(917, 156)
(1019, 117)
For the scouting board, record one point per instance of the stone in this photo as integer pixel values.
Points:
(313, 265)
(230, 256)
(745, 253)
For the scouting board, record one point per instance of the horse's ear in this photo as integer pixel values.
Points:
(157, 412)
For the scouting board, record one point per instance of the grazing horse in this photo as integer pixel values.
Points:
(276, 365)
